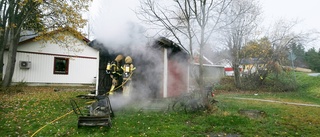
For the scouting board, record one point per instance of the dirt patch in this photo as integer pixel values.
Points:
(254, 114)
(281, 102)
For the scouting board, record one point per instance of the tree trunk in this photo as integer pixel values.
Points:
(237, 79)
(4, 39)
(202, 44)
(236, 64)
(1, 62)
(201, 80)
(2, 46)
(13, 41)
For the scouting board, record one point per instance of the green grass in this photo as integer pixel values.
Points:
(308, 91)
(24, 110)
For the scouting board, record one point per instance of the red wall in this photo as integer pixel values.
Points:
(231, 69)
(177, 78)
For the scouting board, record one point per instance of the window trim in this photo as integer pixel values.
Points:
(66, 72)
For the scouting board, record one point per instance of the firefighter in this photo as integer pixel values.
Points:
(120, 74)
(115, 71)
(128, 69)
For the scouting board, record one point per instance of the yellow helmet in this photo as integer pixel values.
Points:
(119, 58)
(128, 59)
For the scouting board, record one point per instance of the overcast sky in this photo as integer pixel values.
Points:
(306, 11)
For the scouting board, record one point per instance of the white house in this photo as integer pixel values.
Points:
(38, 62)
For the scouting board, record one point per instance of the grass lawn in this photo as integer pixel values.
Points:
(26, 110)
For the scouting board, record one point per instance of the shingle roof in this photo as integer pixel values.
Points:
(30, 35)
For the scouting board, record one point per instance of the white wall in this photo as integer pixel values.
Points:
(83, 64)
(212, 73)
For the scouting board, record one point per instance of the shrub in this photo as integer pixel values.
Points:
(283, 82)
(250, 82)
(226, 83)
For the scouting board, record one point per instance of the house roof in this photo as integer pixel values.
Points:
(166, 43)
(26, 35)
(161, 42)
(98, 46)
(251, 61)
(176, 51)
(205, 59)
(30, 35)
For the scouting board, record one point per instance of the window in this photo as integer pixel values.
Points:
(61, 65)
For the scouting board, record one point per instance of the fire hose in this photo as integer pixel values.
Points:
(123, 83)
(51, 122)
(72, 110)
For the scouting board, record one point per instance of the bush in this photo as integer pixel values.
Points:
(226, 83)
(283, 82)
(250, 82)
(309, 84)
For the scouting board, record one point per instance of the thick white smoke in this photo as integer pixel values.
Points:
(116, 27)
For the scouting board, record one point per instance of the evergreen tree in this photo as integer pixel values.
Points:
(299, 52)
(313, 59)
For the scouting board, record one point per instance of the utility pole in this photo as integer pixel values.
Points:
(292, 57)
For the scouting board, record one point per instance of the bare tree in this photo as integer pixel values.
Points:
(190, 22)
(281, 36)
(242, 17)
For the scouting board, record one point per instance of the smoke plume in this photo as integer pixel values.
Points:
(116, 27)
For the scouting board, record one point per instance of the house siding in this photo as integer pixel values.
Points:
(177, 78)
(175, 74)
(83, 64)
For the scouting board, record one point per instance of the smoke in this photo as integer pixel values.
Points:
(115, 25)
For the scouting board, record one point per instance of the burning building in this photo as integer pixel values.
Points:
(161, 68)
